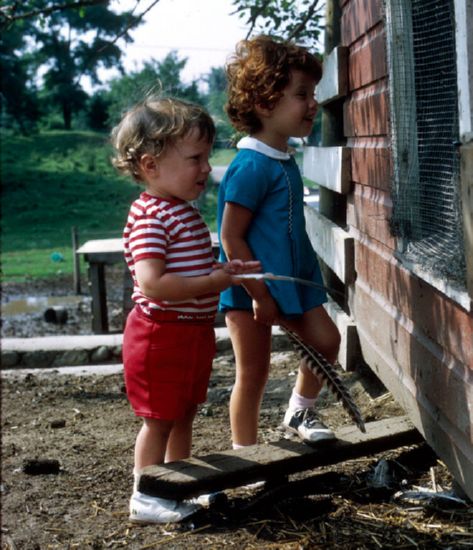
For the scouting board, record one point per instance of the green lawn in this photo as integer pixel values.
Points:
(222, 157)
(54, 181)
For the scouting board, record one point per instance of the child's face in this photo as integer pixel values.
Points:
(294, 114)
(181, 172)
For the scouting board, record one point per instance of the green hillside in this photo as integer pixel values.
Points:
(51, 182)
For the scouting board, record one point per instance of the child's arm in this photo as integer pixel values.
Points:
(235, 223)
(155, 283)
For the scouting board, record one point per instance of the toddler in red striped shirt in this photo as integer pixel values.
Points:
(169, 339)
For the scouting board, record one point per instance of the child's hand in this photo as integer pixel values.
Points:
(222, 273)
(239, 267)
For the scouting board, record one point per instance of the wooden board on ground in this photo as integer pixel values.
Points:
(228, 469)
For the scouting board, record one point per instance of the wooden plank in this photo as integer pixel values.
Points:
(438, 378)
(333, 84)
(226, 469)
(369, 211)
(332, 244)
(101, 245)
(442, 320)
(98, 290)
(466, 177)
(349, 346)
(371, 162)
(358, 17)
(366, 113)
(464, 53)
(367, 59)
(440, 434)
(328, 167)
(75, 260)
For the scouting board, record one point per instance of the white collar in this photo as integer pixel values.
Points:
(254, 144)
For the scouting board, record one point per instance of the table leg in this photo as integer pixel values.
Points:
(99, 298)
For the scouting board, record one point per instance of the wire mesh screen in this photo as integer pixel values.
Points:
(424, 114)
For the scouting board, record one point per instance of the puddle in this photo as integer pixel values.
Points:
(35, 304)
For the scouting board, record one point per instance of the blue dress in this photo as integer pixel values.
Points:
(279, 240)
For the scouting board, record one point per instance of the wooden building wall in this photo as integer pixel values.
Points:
(418, 340)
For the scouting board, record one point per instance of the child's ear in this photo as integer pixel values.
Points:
(261, 111)
(148, 164)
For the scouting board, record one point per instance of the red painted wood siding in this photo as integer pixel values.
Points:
(415, 338)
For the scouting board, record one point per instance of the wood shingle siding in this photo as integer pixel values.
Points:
(415, 329)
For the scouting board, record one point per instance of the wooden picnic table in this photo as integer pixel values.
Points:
(98, 254)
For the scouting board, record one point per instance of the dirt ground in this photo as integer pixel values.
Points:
(85, 423)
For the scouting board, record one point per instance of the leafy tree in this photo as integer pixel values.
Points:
(290, 19)
(97, 112)
(18, 100)
(71, 44)
(155, 78)
(215, 102)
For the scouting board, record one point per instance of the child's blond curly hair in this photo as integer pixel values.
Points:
(153, 125)
(257, 75)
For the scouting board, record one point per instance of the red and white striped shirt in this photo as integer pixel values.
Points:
(173, 231)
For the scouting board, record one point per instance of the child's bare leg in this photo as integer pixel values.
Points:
(180, 439)
(151, 442)
(318, 330)
(252, 347)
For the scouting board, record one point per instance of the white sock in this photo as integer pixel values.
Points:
(298, 401)
(237, 446)
(136, 479)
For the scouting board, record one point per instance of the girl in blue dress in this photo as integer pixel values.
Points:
(271, 87)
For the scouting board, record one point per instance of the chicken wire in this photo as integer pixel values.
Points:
(424, 119)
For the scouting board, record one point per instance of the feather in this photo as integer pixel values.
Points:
(320, 366)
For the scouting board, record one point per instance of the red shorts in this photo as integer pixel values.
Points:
(167, 365)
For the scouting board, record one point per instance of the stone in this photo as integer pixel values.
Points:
(71, 358)
(100, 354)
(10, 358)
(38, 358)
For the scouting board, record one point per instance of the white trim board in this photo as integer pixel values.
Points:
(334, 82)
(334, 245)
(349, 347)
(328, 167)
(464, 47)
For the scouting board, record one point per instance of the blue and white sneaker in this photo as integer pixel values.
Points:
(307, 425)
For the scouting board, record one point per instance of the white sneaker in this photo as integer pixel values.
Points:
(307, 424)
(147, 509)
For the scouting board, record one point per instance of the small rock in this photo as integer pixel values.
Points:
(57, 315)
(206, 411)
(71, 357)
(40, 466)
(102, 353)
(61, 423)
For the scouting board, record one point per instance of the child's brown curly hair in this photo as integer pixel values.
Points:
(257, 75)
(153, 125)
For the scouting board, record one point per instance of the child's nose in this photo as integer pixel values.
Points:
(206, 167)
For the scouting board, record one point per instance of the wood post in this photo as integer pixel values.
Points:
(75, 260)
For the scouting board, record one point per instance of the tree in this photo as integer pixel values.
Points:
(300, 20)
(74, 43)
(215, 102)
(155, 78)
(18, 99)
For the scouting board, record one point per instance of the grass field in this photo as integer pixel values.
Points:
(57, 180)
